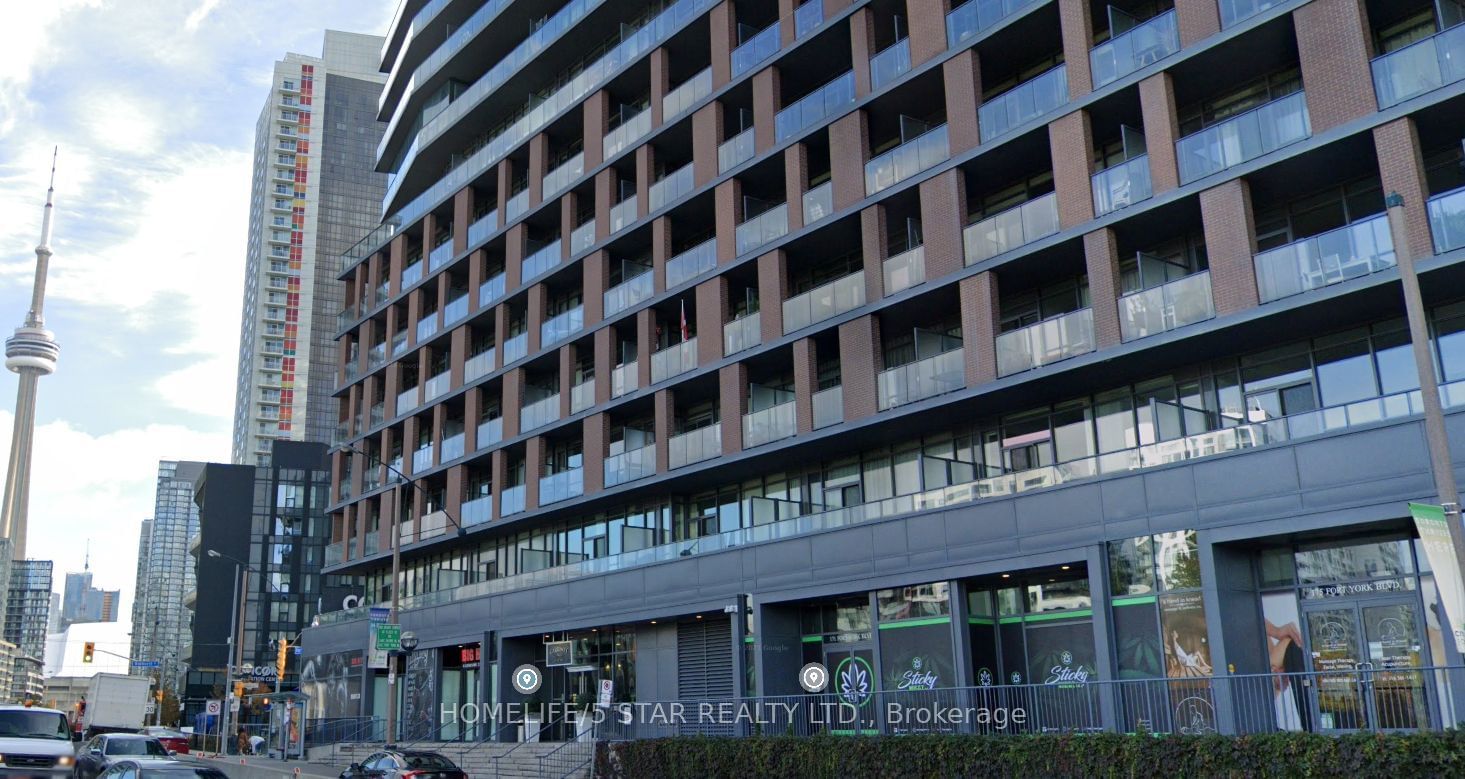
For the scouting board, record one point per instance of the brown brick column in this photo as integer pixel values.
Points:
(499, 473)
(712, 311)
(1196, 20)
(806, 378)
(645, 164)
(397, 258)
(569, 212)
(594, 270)
(1162, 129)
(538, 166)
(472, 408)
(414, 313)
(538, 303)
(943, 215)
(962, 77)
(501, 334)
(453, 499)
(462, 217)
(503, 174)
(795, 183)
(1101, 258)
(1230, 232)
(597, 119)
(533, 470)
(410, 430)
(772, 291)
(660, 252)
(1401, 169)
(766, 103)
(862, 45)
(849, 143)
(872, 247)
(1334, 47)
(457, 356)
(439, 416)
(1078, 38)
(979, 313)
(722, 28)
(732, 400)
(660, 83)
(706, 137)
(1071, 143)
(645, 337)
(594, 443)
(728, 198)
(566, 367)
(605, 192)
(859, 364)
(514, 258)
(512, 401)
(663, 412)
(604, 362)
(927, 28)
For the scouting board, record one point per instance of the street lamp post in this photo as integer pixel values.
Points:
(243, 597)
(235, 628)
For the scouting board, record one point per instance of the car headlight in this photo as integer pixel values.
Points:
(65, 760)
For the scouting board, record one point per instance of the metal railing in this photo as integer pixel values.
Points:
(742, 333)
(694, 446)
(673, 360)
(825, 301)
(906, 160)
(927, 378)
(691, 263)
(759, 47)
(630, 465)
(1243, 137)
(905, 270)
(566, 484)
(890, 64)
(1045, 342)
(735, 151)
(571, 757)
(686, 95)
(829, 406)
(818, 202)
(1007, 230)
(1023, 103)
(1160, 309)
(539, 413)
(1358, 249)
(1144, 44)
(672, 186)
(1122, 185)
(975, 16)
(1420, 67)
(815, 107)
(1447, 220)
(771, 424)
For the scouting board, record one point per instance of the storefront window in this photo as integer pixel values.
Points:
(915, 602)
(1357, 561)
(1175, 555)
(1055, 595)
(1041, 632)
(1131, 567)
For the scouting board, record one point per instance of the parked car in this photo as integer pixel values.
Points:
(174, 740)
(101, 752)
(161, 769)
(394, 764)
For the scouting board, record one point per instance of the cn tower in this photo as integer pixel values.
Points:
(32, 353)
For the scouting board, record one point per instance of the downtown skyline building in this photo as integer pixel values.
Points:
(312, 194)
(161, 625)
(989, 345)
(81, 602)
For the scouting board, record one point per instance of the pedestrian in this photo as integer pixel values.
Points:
(241, 740)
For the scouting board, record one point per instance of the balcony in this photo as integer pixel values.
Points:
(973, 18)
(346, 316)
(1007, 230)
(817, 106)
(1333, 257)
(626, 134)
(623, 379)
(935, 375)
(557, 180)
(582, 396)
(422, 459)
(456, 310)
(561, 486)
(1447, 220)
(628, 293)
(561, 326)
(539, 413)
(1233, 11)
(1139, 46)
(906, 160)
(774, 423)
(825, 301)
(336, 553)
(1122, 185)
(691, 263)
(582, 237)
(371, 544)
(890, 64)
(673, 361)
(476, 511)
(541, 260)
(829, 406)
(407, 400)
(381, 291)
(1023, 103)
(905, 270)
(763, 228)
(516, 205)
(735, 151)
(1046, 342)
(412, 273)
(376, 355)
(490, 432)
(512, 500)
(670, 188)
(694, 446)
(516, 348)
(818, 202)
(630, 465)
(483, 227)
(622, 215)
(492, 289)
(1420, 67)
(436, 387)
(686, 95)
(427, 326)
(441, 255)
(754, 50)
(1160, 309)
(743, 333)
(453, 446)
(1243, 137)
(478, 366)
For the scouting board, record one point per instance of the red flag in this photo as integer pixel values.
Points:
(685, 334)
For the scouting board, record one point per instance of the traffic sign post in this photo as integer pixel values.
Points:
(146, 664)
(389, 637)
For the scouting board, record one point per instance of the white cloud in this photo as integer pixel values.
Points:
(25, 42)
(200, 14)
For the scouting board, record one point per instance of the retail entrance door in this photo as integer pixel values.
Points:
(1366, 658)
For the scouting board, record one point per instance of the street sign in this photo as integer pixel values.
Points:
(146, 664)
(606, 687)
(150, 708)
(389, 637)
(213, 707)
(379, 613)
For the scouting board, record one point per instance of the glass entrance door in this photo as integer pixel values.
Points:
(852, 680)
(1395, 653)
(1366, 658)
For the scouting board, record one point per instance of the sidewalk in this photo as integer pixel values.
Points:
(259, 767)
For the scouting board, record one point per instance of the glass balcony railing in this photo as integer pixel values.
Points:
(452, 446)
(630, 465)
(561, 486)
(440, 256)
(557, 180)
(476, 511)
(818, 202)
(412, 273)
(760, 47)
(817, 106)
(427, 327)
(628, 293)
(541, 260)
(582, 237)
(774, 423)
(906, 160)
(743, 333)
(890, 64)
(626, 134)
(381, 293)
(1233, 11)
(346, 316)
(829, 406)
(761, 229)
(694, 446)
(808, 17)
(622, 214)
(1122, 185)
(483, 227)
(490, 432)
(455, 310)
(376, 355)
(561, 326)
(1243, 137)
(935, 375)
(976, 16)
(1007, 230)
(1333, 257)
(516, 205)
(539, 413)
(1023, 103)
(582, 396)
(406, 401)
(492, 289)
(1178, 303)
(1447, 220)
(1046, 342)
(905, 270)
(422, 459)
(670, 188)
(1142, 45)
(673, 361)
(336, 553)
(624, 378)
(436, 386)
(478, 366)
(686, 95)
(512, 500)
(691, 263)
(378, 413)
(1420, 67)
(516, 347)
(825, 301)
(735, 151)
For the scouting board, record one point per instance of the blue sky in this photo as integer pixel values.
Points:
(153, 104)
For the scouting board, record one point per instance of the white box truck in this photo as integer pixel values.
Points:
(115, 703)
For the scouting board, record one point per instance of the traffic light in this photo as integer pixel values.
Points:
(238, 690)
(280, 659)
(87, 651)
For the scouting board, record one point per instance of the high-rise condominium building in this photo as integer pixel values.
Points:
(82, 602)
(165, 571)
(313, 194)
(1019, 345)
(28, 607)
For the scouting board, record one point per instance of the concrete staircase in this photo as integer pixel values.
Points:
(489, 760)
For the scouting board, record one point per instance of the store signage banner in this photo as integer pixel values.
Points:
(1434, 536)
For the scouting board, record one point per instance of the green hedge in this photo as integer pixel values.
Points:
(1435, 754)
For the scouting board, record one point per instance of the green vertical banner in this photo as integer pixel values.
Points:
(1434, 536)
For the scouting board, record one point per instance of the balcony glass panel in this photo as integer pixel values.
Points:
(412, 273)
(735, 151)
(476, 511)
(1045, 342)
(1333, 257)
(829, 406)
(763, 228)
(422, 459)
(582, 237)
(541, 260)
(630, 466)
(624, 378)
(1175, 304)
(628, 293)
(818, 202)
(691, 263)
(808, 17)
(821, 303)
(440, 256)
(436, 386)
(1447, 220)
(456, 309)
(1233, 11)
(539, 413)
(771, 424)
(906, 160)
(754, 50)
(516, 206)
(406, 401)
(622, 214)
(971, 18)
(1421, 67)
(815, 107)
(479, 365)
(686, 95)
(491, 290)
(516, 347)
(582, 396)
(890, 64)
(905, 270)
(512, 500)
(378, 413)
(376, 355)
(490, 432)
(1007, 230)
(427, 327)
(694, 446)
(1122, 185)
(673, 361)
(1138, 47)
(626, 134)
(381, 293)
(347, 315)
(558, 179)
(670, 188)
(561, 326)
(561, 486)
(935, 375)
(1023, 103)
(743, 333)
(452, 447)
(1243, 137)
(480, 230)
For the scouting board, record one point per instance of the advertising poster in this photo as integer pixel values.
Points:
(1284, 650)
(914, 660)
(333, 682)
(1434, 536)
(420, 696)
(1183, 635)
